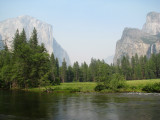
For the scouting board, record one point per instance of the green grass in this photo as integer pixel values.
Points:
(131, 86)
(138, 85)
(82, 86)
(142, 82)
(69, 87)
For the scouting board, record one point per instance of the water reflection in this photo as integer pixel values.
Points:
(18, 105)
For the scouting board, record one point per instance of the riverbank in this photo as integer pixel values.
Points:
(131, 86)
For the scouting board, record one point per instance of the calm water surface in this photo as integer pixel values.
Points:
(20, 105)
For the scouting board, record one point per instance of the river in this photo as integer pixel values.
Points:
(20, 105)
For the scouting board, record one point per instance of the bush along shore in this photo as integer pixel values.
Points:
(146, 86)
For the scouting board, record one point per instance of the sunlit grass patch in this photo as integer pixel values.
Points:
(138, 85)
(131, 86)
(82, 86)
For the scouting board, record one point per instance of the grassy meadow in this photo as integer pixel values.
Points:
(131, 86)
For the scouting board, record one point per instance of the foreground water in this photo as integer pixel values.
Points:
(20, 105)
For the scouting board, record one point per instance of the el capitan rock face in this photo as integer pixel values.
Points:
(45, 34)
(143, 42)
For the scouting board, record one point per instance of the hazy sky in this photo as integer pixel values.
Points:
(84, 28)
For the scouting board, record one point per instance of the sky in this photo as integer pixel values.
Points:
(84, 28)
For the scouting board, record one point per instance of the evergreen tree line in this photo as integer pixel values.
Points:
(138, 68)
(28, 64)
(96, 71)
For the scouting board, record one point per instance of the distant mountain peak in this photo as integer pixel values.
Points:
(109, 59)
(25, 16)
(131, 32)
(154, 16)
(152, 25)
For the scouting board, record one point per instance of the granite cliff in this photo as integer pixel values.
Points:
(45, 34)
(143, 42)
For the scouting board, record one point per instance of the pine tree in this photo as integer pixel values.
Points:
(138, 72)
(136, 59)
(93, 69)
(103, 72)
(23, 38)
(64, 71)
(57, 67)
(76, 71)
(42, 48)
(34, 39)
(16, 41)
(133, 65)
(70, 74)
(52, 69)
(118, 68)
(158, 65)
(142, 62)
(156, 60)
(125, 66)
(150, 69)
(84, 69)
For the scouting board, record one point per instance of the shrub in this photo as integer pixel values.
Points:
(75, 90)
(114, 82)
(152, 87)
(56, 82)
(117, 81)
(99, 87)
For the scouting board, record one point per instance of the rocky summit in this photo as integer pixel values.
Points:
(143, 42)
(45, 34)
